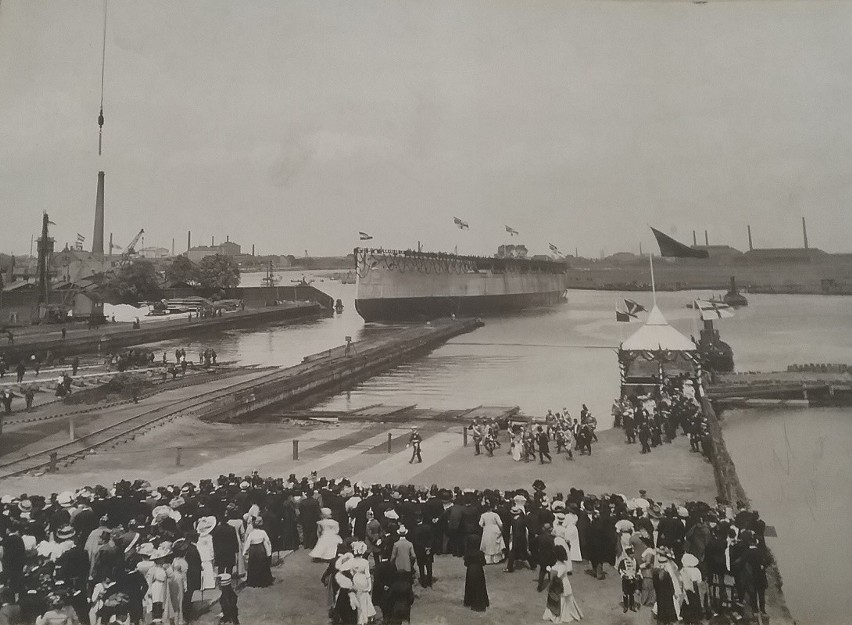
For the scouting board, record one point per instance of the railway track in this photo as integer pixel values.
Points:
(121, 431)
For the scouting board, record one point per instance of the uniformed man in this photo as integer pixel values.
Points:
(476, 429)
(414, 441)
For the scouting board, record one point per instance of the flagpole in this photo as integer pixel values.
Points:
(653, 286)
(618, 323)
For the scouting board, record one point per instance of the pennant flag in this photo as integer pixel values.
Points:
(676, 249)
(512, 232)
(52, 223)
(554, 249)
(633, 307)
(623, 316)
(461, 224)
(80, 237)
(364, 236)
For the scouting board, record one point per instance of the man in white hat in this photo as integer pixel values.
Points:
(403, 556)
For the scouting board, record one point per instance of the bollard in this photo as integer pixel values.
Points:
(295, 449)
(389, 442)
(464, 435)
(52, 466)
(71, 429)
(177, 457)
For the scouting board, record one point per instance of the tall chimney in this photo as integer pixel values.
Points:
(212, 241)
(98, 238)
(694, 240)
(227, 238)
(252, 249)
(188, 239)
(640, 249)
(173, 246)
(110, 244)
(805, 232)
(706, 239)
(750, 246)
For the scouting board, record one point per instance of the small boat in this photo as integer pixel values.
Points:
(270, 279)
(733, 297)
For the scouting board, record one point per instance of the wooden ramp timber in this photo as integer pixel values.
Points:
(811, 388)
(401, 414)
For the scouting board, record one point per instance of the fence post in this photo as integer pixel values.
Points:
(295, 449)
(177, 457)
(71, 436)
(389, 442)
(51, 468)
(464, 435)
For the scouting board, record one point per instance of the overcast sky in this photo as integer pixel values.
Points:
(293, 125)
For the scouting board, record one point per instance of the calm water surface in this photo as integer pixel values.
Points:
(794, 464)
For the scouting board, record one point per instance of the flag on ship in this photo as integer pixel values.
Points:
(710, 311)
(623, 316)
(463, 225)
(512, 232)
(364, 236)
(672, 248)
(634, 307)
(554, 249)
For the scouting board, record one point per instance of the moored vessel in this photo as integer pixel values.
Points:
(395, 285)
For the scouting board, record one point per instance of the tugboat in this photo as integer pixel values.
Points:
(270, 279)
(733, 297)
(716, 355)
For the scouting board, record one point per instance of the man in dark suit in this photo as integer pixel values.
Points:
(421, 538)
(309, 514)
(545, 552)
(518, 540)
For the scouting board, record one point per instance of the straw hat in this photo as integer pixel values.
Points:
(689, 560)
(65, 499)
(205, 525)
(325, 512)
(224, 579)
(344, 562)
(66, 532)
(402, 531)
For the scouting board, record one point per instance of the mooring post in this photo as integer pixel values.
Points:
(804, 392)
(389, 442)
(71, 429)
(51, 468)
(464, 435)
(295, 449)
(177, 457)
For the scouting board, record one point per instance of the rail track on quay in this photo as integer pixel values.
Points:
(318, 372)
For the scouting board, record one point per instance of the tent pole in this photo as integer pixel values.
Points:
(653, 285)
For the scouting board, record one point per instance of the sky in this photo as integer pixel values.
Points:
(293, 125)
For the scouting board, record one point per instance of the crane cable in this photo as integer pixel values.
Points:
(103, 68)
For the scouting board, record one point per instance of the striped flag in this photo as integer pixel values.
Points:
(554, 249)
(623, 317)
(364, 236)
(80, 238)
(634, 307)
(463, 225)
(512, 232)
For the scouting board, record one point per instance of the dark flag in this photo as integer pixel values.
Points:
(461, 224)
(623, 316)
(364, 236)
(676, 249)
(634, 307)
(512, 232)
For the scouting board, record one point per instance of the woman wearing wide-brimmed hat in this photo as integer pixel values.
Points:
(329, 537)
(258, 553)
(664, 588)
(561, 606)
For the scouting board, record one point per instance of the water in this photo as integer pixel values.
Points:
(797, 476)
(566, 356)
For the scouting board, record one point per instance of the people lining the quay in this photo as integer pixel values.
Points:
(138, 554)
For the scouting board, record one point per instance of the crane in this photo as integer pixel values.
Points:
(130, 249)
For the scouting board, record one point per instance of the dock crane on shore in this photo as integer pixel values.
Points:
(130, 250)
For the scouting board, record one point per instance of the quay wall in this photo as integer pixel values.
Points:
(731, 489)
(334, 370)
(106, 339)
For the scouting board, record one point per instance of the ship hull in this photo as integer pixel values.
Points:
(415, 287)
(424, 308)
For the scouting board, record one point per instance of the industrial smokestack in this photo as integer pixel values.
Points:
(706, 239)
(252, 249)
(694, 240)
(173, 246)
(227, 238)
(212, 241)
(188, 239)
(750, 246)
(805, 232)
(98, 238)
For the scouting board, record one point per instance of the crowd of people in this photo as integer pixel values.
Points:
(138, 554)
(528, 440)
(655, 418)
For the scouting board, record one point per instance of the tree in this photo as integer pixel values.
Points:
(218, 272)
(182, 270)
(133, 283)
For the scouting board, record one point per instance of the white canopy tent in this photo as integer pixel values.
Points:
(643, 356)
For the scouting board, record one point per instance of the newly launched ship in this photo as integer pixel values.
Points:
(395, 285)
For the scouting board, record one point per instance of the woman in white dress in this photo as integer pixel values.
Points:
(237, 523)
(561, 605)
(362, 584)
(573, 535)
(491, 544)
(517, 447)
(204, 544)
(328, 532)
